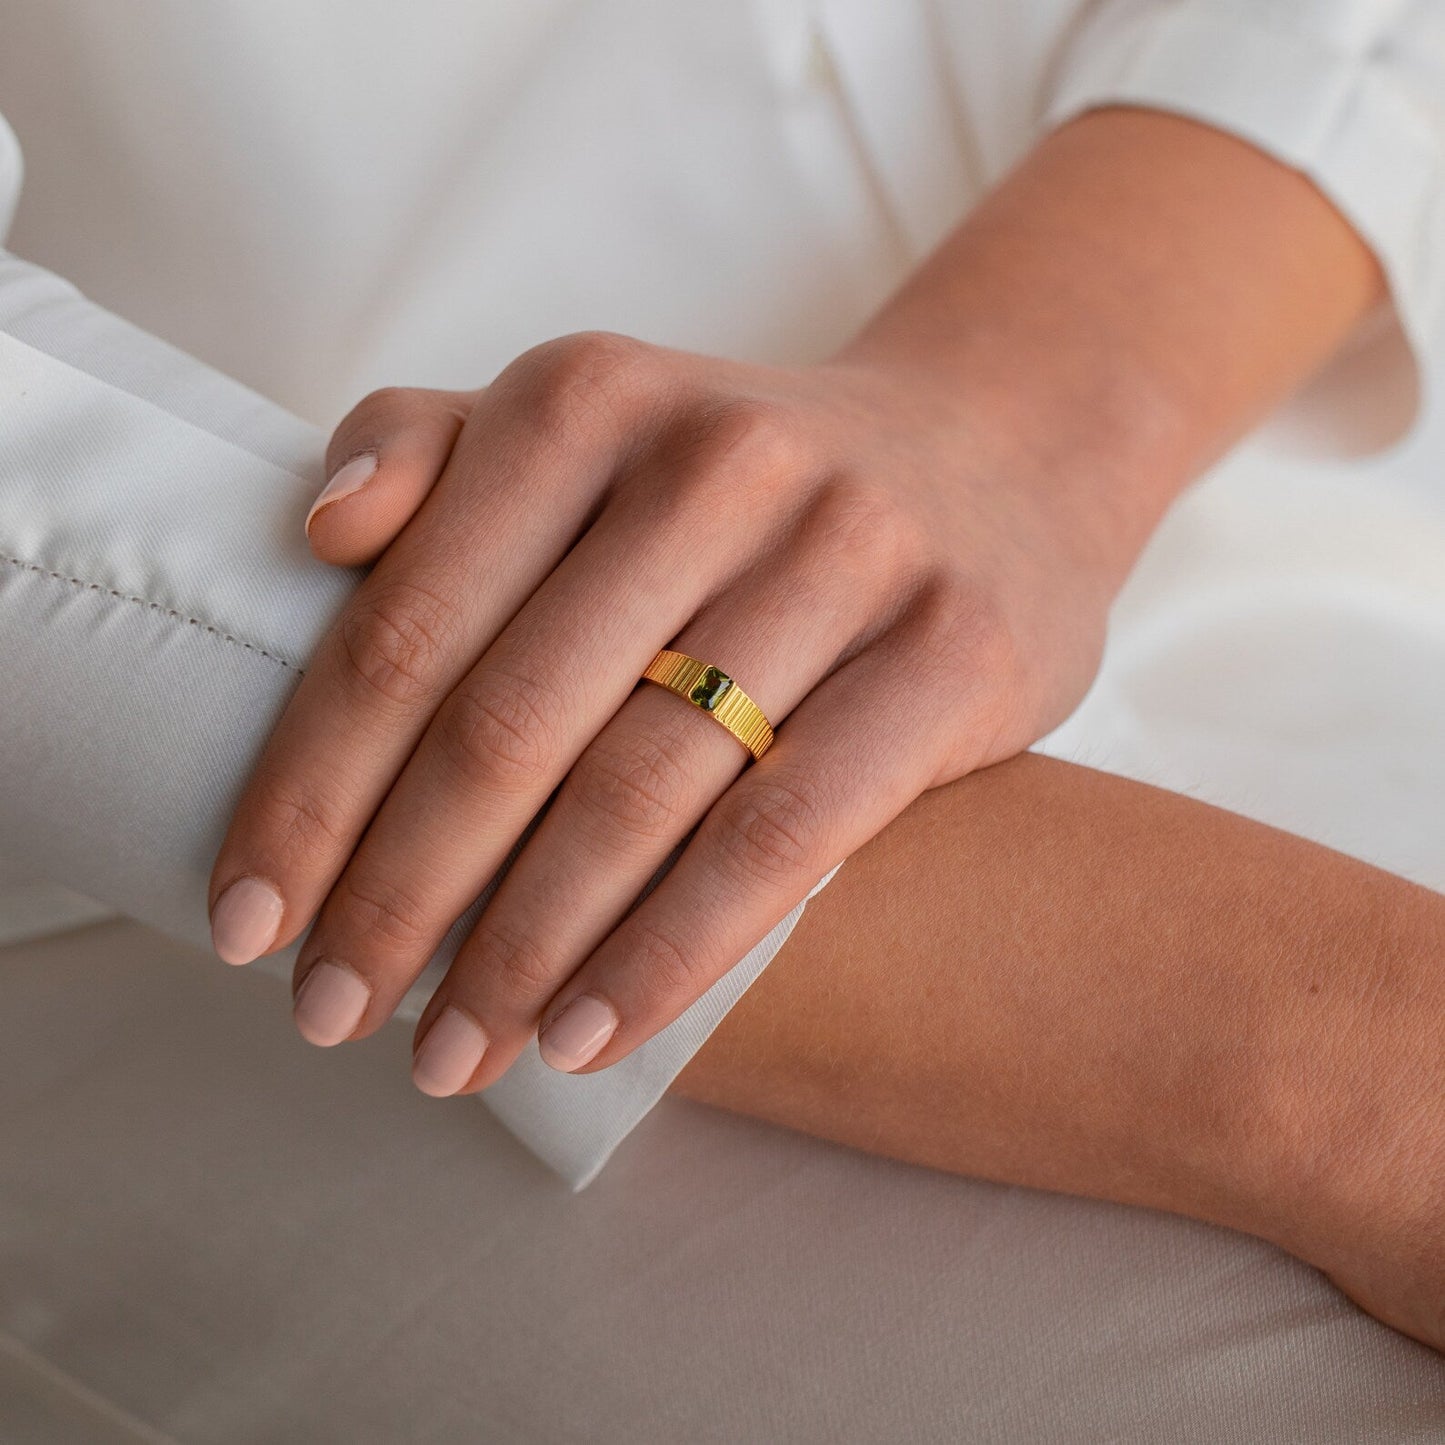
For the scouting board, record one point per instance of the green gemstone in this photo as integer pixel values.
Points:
(710, 691)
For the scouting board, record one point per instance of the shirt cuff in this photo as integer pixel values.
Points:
(1350, 124)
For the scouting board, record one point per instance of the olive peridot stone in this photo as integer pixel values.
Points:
(711, 689)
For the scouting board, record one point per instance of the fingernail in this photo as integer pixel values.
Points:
(449, 1054)
(348, 479)
(578, 1033)
(329, 1004)
(245, 919)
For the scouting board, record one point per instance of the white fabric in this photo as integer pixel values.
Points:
(321, 200)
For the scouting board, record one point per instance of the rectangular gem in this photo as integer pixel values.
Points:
(711, 688)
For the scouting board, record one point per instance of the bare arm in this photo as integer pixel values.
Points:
(1051, 976)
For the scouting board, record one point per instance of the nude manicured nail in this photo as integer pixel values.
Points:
(329, 1004)
(577, 1034)
(348, 479)
(245, 919)
(449, 1054)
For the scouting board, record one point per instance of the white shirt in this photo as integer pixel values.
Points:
(319, 198)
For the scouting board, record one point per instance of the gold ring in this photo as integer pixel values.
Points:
(716, 694)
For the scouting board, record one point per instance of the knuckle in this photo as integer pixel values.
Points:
(499, 734)
(302, 824)
(390, 406)
(376, 415)
(863, 523)
(964, 627)
(639, 787)
(969, 655)
(747, 433)
(772, 831)
(510, 962)
(581, 380)
(722, 453)
(381, 910)
(663, 968)
(393, 641)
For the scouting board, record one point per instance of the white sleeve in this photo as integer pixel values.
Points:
(157, 607)
(1352, 94)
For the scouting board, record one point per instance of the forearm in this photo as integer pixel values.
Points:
(1122, 308)
(1052, 976)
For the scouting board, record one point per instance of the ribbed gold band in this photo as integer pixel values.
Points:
(711, 689)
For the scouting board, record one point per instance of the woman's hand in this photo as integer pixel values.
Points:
(903, 599)
(904, 555)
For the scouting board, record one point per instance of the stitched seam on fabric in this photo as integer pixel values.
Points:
(159, 607)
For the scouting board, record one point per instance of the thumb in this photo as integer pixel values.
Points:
(382, 461)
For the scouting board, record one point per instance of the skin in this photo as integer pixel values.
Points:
(910, 552)
(1050, 976)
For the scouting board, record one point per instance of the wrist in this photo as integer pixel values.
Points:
(1098, 443)
(1124, 306)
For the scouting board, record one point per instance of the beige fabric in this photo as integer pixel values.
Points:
(212, 1234)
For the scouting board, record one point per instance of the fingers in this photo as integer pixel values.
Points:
(851, 757)
(522, 478)
(648, 777)
(383, 461)
(513, 727)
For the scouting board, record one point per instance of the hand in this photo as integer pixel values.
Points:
(904, 602)
(904, 555)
